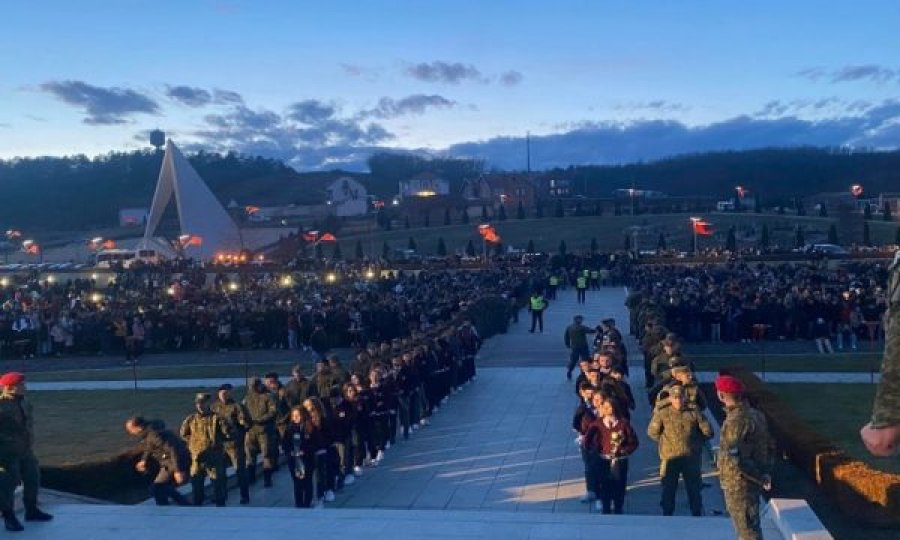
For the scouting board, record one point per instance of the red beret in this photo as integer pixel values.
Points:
(12, 378)
(729, 384)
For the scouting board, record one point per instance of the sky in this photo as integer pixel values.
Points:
(323, 85)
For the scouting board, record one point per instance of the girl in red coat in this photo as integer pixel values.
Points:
(613, 439)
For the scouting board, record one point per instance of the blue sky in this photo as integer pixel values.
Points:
(323, 84)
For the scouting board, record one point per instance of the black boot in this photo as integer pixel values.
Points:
(12, 522)
(33, 513)
(245, 495)
(267, 478)
(251, 473)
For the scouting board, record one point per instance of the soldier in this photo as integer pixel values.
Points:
(299, 388)
(18, 463)
(276, 389)
(680, 432)
(882, 435)
(261, 435)
(745, 458)
(575, 339)
(238, 422)
(204, 432)
(323, 378)
(170, 454)
(683, 378)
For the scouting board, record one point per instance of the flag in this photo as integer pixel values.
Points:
(31, 247)
(856, 190)
(12, 233)
(742, 191)
(95, 243)
(702, 228)
(328, 237)
(109, 244)
(190, 240)
(378, 204)
(250, 209)
(488, 233)
(311, 236)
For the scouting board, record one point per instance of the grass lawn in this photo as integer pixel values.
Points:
(235, 370)
(79, 426)
(859, 362)
(837, 411)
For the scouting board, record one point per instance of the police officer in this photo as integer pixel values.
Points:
(17, 460)
(575, 339)
(581, 285)
(170, 454)
(553, 285)
(680, 432)
(261, 435)
(204, 432)
(595, 280)
(238, 422)
(882, 434)
(537, 304)
(745, 457)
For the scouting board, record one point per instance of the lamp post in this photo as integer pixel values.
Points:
(694, 221)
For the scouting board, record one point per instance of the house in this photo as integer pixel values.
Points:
(424, 184)
(347, 197)
(891, 200)
(500, 188)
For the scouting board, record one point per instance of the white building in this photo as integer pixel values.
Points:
(347, 197)
(425, 184)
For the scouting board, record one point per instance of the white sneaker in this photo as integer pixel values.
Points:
(329, 496)
(380, 456)
(349, 480)
(414, 427)
(387, 445)
(588, 497)
(424, 421)
(357, 471)
(598, 506)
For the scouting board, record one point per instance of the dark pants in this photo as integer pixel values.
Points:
(163, 488)
(537, 319)
(235, 452)
(211, 464)
(303, 487)
(13, 470)
(582, 295)
(577, 353)
(689, 468)
(613, 476)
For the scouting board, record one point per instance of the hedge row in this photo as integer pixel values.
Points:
(862, 493)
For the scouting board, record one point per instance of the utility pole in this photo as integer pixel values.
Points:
(528, 151)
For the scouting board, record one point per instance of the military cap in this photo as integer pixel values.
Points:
(226, 386)
(680, 368)
(12, 378)
(201, 397)
(729, 385)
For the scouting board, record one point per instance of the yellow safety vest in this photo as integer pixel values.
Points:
(581, 283)
(554, 281)
(537, 303)
(595, 274)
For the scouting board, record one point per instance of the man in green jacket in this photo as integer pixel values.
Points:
(18, 463)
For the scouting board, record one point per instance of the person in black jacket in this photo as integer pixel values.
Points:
(168, 451)
(343, 419)
(300, 447)
(320, 433)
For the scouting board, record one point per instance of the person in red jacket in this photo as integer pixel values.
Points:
(613, 439)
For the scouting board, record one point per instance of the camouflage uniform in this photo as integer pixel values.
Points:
(745, 457)
(680, 435)
(204, 435)
(261, 435)
(238, 422)
(17, 460)
(886, 409)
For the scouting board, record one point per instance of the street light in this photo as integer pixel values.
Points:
(287, 281)
(370, 274)
(694, 222)
(233, 286)
(331, 277)
(4, 282)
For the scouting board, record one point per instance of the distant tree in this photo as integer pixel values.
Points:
(801, 210)
(520, 211)
(464, 216)
(447, 220)
(530, 248)
(411, 244)
(886, 213)
(501, 213)
(559, 211)
(427, 218)
(382, 219)
(498, 248)
(731, 240)
(538, 209)
(799, 237)
(781, 210)
(441, 247)
(823, 210)
(598, 208)
(627, 244)
(562, 248)
(661, 242)
(617, 208)
(578, 209)
(470, 248)
(406, 222)
(385, 251)
(388, 223)
(867, 240)
(594, 245)
(359, 250)
(738, 205)
(897, 236)
(336, 253)
(318, 251)
(485, 214)
(764, 237)
(757, 204)
(832, 234)
(867, 211)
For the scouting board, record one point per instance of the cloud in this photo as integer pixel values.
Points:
(103, 106)
(227, 97)
(444, 72)
(413, 104)
(658, 105)
(190, 96)
(822, 107)
(851, 73)
(4, 125)
(311, 111)
(511, 78)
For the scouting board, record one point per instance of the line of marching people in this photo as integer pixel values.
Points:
(329, 427)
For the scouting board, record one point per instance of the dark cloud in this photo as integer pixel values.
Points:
(444, 72)
(189, 95)
(103, 106)
(511, 78)
(413, 104)
(311, 111)
(657, 105)
(227, 97)
(851, 73)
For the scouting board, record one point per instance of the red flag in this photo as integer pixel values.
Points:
(311, 236)
(250, 209)
(190, 240)
(31, 247)
(378, 204)
(702, 228)
(328, 237)
(12, 233)
(856, 190)
(742, 191)
(488, 233)
(109, 244)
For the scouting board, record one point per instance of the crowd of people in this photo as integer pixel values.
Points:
(742, 302)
